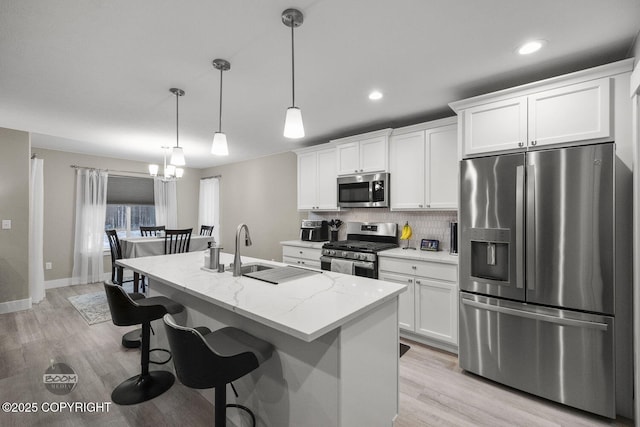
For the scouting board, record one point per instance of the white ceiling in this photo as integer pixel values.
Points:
(93, 76)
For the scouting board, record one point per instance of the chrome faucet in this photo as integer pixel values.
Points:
(237, 264)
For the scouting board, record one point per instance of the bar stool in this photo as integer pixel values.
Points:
(126, 312)
(205, 359)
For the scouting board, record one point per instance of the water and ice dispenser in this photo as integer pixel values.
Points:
(489, 249)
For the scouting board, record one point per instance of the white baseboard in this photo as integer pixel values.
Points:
(17, 305)
(59, 283)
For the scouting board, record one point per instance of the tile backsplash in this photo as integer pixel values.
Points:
(425, 225)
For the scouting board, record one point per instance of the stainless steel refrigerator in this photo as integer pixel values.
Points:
(542, 293)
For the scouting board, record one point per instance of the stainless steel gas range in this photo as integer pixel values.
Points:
(358, 254)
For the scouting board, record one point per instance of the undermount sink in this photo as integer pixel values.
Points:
(252, 267)
(273, 274)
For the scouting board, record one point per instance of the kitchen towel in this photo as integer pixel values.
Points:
(342, 266)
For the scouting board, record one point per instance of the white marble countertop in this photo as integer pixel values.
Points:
(305, 308)
(303, 244)
(417, 254)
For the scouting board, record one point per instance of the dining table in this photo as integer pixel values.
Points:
(136, 247)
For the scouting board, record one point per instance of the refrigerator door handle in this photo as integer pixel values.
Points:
(537, 316)
(531, 227)
(519, 226)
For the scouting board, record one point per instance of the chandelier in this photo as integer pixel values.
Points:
(170, 172)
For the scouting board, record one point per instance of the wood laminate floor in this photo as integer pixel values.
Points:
(433, 389)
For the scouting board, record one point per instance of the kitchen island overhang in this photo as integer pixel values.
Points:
(336, 337)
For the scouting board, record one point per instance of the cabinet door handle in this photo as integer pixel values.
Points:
(409, 280)
(414, 267)
(520, 144)
(356, 171)
(417, 282)
(419, 206)
(534, 142)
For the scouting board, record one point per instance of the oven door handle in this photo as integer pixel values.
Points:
(368, 265)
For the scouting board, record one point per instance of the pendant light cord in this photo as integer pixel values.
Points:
(293, 73)
(177, 115)
(220, 113)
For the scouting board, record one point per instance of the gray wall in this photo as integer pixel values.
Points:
(262, 194)
(14, 205)
(59, 201)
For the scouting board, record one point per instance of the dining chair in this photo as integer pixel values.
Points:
(116, 254)
(150, 231)
(206, 230)
(177, 241)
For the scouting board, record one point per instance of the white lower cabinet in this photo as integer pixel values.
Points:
(304, 257)
(429, 307)
(406, 310)
(437, 310)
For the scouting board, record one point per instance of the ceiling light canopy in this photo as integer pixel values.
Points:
(219, 146)
(177, 155)
(293, 126)
(531, 47)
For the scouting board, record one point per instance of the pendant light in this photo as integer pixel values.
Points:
(293, 127)
(219, 146)
(177, 155)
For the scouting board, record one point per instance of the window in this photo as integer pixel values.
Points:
(130, 204)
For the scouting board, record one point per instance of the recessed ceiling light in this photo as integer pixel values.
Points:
(375, 95)
(530, 47)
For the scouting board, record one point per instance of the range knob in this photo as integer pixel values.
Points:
(362, 256)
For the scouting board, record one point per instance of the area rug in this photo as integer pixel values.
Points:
(93, 307)
(403, 349)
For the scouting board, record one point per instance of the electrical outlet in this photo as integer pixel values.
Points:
(48, 265)
(6, 224)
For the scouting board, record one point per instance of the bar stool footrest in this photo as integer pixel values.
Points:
(163, 362)
(244, 408)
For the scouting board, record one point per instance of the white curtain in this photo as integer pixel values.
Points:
(209, 211)
(91, 207)
(166, 203)
(36, 233)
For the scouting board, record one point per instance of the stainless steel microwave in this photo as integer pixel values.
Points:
(364, 191)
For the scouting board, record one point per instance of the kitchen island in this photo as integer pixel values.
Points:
(336, 338)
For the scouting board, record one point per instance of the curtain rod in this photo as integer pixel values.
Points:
(108, 170)
(211, 177)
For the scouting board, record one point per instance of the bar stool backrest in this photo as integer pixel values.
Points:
(197, 364)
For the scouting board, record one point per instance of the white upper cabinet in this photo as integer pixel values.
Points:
(572, 113)
(572, 109)
(496, 126)
(364, 153)
(348, 158)
(317, 180)
(307, 180)
(407, 168)
(442, 171)
(424, 168)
